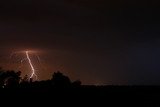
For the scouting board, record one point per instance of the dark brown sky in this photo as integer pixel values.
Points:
(96, 41)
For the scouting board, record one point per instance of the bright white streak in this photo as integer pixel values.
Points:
(31, 65)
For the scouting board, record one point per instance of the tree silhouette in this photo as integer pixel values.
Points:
(9, 78)
(2, 77)
(25, 79)
(60, 80)
(77, 83)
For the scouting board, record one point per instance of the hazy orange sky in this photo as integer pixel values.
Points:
(96, 41)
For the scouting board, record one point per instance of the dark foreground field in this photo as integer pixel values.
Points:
(137, 96)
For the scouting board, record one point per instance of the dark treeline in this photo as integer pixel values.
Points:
(60, 89)
(12, 79)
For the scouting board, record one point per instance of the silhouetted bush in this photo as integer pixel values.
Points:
(60, 80)
(77, 83)
(9, 78)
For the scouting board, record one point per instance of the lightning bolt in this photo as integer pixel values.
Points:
(31, 65)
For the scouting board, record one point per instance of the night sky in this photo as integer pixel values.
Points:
(96, 41)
